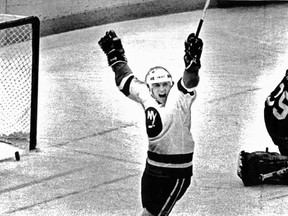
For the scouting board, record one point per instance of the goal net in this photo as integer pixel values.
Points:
(19, 60)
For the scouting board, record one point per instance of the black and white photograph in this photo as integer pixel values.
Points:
(143, 108)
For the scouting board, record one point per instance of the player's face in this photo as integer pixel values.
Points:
(160, 91)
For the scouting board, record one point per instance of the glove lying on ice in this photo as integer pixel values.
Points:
(262, 168)
(112, 47)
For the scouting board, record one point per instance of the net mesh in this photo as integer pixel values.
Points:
(15, 82)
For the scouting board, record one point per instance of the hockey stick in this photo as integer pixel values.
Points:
(273, 174)
(202, 19)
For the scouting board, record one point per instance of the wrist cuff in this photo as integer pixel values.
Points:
(115, 57)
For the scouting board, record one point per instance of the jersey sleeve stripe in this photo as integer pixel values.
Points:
(125, 85)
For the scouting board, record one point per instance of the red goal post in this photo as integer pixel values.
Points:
(19, 64)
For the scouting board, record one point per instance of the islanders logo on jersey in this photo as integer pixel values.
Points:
(153, 122)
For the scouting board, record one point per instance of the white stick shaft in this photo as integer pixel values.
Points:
(205, 9)
(202, 19)
(271, 174)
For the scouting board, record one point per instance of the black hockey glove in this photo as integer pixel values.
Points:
(193, 51)
(112, 47)
(261, 167)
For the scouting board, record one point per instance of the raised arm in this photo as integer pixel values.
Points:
(112, 47)
(129, 85)
(193, 51)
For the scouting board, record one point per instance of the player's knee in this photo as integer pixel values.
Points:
(282, 145)
(146, 213)
(283, 149)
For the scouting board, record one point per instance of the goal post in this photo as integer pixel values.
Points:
(19, 65)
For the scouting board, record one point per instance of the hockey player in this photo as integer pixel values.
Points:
(275, 114)
(167, 109)
(270, 167)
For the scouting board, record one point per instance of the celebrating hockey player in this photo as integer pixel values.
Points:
(167, 109)
(275, 113)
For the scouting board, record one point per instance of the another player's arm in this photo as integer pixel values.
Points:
(193, 51)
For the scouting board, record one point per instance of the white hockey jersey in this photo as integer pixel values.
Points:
(171, 144)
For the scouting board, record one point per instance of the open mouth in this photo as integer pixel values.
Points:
(162, 95)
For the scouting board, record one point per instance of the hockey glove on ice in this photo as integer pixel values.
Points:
(261, 167)
(112, 47)
(193, 51)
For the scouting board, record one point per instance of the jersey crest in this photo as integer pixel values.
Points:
(153, 122)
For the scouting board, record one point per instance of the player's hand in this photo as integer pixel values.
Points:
(110, 42)
(193, 51)
(112, 47)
